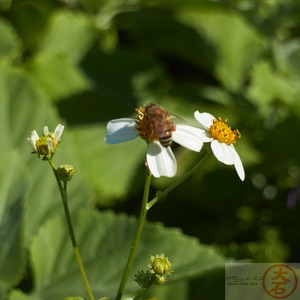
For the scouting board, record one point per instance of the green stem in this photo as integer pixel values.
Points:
(176, 183)
(64, 197)
(134, 247)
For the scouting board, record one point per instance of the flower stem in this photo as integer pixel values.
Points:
(176, 183)
(134, 247)
(64, 197)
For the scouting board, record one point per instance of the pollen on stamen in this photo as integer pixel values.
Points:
(144, 126)
(220, 131)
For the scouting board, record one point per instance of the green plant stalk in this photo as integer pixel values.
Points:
(176, 183)
(64, 197)
(138, 234)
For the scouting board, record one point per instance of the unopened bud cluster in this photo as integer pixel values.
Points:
(160, 267)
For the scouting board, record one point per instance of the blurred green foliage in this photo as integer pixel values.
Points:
(84, 62)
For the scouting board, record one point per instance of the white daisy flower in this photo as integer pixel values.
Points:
(46, 145)
(222, 139)
(156, 127)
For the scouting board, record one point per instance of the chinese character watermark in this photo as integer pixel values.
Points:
(269, 281)
(279, 281)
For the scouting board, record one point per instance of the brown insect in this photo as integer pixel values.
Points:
(162, 124)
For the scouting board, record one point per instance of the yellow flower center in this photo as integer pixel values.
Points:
(42, 148)
(220, 131)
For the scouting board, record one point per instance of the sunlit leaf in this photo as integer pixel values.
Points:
(268, 85)
(109, 169)
(12, 251)
(69, 34)
(104, 241)
(24, 108)
(19, 295)
(57, 75)
(10, 45)
(236, 42)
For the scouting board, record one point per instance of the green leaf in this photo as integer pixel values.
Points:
(58, 75)
(237, 43)
(12, 252)
(104, 241)
(268, 85)
(55, 67)
(19, 295)
(24, 108)
(70, 34)
(109, 169)
(143, 26)
(172, 290)
(21, 107)
(287, 56)
(10, 45)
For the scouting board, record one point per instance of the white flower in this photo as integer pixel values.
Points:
(222, 138)
(46, 145)
(160, 158)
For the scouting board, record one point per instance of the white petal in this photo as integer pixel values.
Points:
(120, 130)
(238, 165)
(58, 132)
(222, 152)
(32, 143)
(161, 161)
(205, 119)
(46, 130)
(34, 136)
(189, 137)
(32, 140)
(50, 145)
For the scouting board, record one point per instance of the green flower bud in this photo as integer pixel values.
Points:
(160, 279)
(160, 265)
(65, 172)
(144, 279)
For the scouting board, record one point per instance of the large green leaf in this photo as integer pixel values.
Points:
(142, 28)
(58, 75)
(268, 85)
(68, 38)
(109, 169)
(237, 43)
(104, 241)
(12, 185)
(19, 295)
(70, 34)
(10, 45)
(21, 107)
(24, 108)
(29, 194)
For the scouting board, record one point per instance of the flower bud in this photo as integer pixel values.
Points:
(65, 172)
(144, 279)
(160, 265)
(160, 279)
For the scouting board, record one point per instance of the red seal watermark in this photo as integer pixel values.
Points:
(279, 281)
